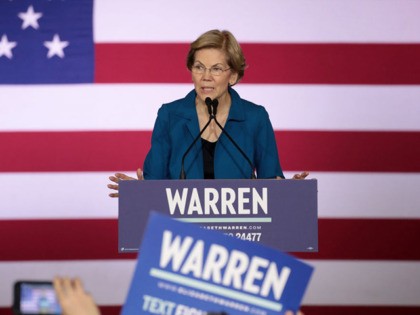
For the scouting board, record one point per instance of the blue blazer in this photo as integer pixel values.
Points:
(177, 125)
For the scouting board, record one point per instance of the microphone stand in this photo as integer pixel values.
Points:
(182, 174)
(215, 103)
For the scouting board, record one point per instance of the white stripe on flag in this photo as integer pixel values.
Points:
(85, 195)
(282, 21)
(134, 106)
(364, 283)
(107, 280)
(333, 283)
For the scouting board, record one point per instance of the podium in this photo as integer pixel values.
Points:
(282, 214)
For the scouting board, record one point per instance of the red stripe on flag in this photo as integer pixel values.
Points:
(268, 63)
(59, 240)
(126, 150)
(349, 151)
(141, 63)
(369, 239)
(73, 151)
(380, 239)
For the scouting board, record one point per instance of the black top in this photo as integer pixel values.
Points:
(208, 158)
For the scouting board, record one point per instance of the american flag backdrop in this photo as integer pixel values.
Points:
(80, 86)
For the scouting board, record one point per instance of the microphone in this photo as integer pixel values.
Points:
(215, 103)
(208, 102)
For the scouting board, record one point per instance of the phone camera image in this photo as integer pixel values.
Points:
(35, 298)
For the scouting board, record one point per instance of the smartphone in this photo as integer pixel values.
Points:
(35, 297)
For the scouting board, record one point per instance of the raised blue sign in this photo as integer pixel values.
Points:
(185, 269)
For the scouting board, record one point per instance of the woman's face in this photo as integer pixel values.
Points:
(210, 85)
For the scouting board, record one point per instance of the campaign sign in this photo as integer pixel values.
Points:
(278, 213)
(185, 269)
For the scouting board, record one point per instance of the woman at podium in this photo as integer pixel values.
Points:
(211, 133)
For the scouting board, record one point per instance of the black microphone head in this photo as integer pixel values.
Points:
(208, 102)
(215, 104)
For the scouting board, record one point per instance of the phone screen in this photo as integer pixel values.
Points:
(38, 298)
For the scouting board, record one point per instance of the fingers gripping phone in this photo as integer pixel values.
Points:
(35, 297)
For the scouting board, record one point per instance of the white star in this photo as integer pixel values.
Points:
(6, 47)
(30, 18)
(56, 46)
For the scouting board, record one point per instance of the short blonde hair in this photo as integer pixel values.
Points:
(226, 42)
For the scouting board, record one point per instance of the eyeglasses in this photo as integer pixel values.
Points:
(215, 70)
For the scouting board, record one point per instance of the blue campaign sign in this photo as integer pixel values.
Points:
(185, 269)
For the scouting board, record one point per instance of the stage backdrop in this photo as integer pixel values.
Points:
(80, 85)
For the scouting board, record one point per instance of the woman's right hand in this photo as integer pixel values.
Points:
(120, 176)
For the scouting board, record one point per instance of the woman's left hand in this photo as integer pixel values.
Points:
(301, 175)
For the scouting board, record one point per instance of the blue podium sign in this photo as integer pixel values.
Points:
(278, 213)
(184, 269)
